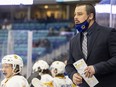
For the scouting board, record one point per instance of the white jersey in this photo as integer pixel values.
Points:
(62, 82)
(15, 81)
(69, 81)
(47, 80)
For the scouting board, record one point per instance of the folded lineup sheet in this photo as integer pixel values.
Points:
(80, 66)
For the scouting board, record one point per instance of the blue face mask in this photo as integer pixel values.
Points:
(82, 26)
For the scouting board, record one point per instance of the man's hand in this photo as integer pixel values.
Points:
(77, 79)
(89, 71)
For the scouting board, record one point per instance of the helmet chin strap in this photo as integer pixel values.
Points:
(14, 73)
(15, 70)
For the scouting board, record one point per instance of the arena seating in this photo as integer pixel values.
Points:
(19, 43)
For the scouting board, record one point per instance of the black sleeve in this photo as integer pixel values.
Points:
(108, 66)
(70, 70)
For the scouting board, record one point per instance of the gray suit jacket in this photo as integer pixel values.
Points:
(101, 54)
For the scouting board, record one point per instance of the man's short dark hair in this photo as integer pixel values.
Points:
(89, 8)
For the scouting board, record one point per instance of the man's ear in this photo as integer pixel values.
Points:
(91, 16)
(16, 68)
(55, 71)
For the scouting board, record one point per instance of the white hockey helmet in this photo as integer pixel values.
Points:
(14, 60)
(43, 65)
(59, 66)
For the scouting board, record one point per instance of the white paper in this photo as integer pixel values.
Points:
(80, 66)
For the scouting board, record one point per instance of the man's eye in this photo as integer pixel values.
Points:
(80, 14)
(5, 66)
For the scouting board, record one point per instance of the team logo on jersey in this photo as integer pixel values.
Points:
(15, 56)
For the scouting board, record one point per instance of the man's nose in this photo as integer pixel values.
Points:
(2, 69)
(75, 17)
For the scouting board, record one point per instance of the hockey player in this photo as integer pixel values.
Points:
(42, 68)
(60, 80)
(11, 67)
(33, 75)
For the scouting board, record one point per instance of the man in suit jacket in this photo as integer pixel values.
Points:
(101, 49)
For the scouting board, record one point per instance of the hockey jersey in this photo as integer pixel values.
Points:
(14, 81)
(62, 82)
(47, 80)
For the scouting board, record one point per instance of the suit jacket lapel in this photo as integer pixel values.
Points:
(92, 40)
(79, 45)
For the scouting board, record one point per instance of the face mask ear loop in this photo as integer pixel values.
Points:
(87, 18)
